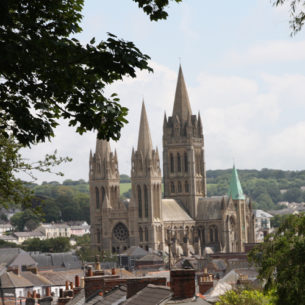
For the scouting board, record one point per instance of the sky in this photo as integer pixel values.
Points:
(244, 72)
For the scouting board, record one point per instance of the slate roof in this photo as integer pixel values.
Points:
(57, 260)
(36, 279)
(262, 214)
(135, 251)
(11, 280)
(15, 257)
(79, 299)
(210, 207)
(59, 278)
(150, 257)
(29, 234)
(115, 296)
(172, 211)
(150, 295)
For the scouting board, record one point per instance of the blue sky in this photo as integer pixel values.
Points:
(244, 73)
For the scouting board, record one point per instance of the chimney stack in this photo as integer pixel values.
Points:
(183, 283)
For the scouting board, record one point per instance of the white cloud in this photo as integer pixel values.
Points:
(269, 52)
(241, 121)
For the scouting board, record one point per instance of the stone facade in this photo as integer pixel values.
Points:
(185, 220)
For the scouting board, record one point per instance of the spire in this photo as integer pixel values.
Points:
(182, 106)
(144, 141)
(235, 189)
(103, 148)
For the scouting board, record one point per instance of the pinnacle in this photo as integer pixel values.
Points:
(182, 107)
(144, 141)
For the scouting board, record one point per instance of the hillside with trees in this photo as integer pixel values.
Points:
(70, 200)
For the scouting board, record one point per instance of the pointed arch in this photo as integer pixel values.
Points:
(172, 187)
(103, 194)
(178, 163)
(141, 234)
(179, 187)
(97, 198)
(186, 167)
(139, 201)
(186, 187)
(171, 157)
(146, 234)
(145, 201)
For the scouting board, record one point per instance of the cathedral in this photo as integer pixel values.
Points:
(181, 221)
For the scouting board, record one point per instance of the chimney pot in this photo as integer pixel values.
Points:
(67, 285)
(48, 291)
(61, 293)
(34, 294)
(113, 271)
(77, 281)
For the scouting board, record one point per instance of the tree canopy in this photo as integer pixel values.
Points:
(47, 74)
(297, 13)
(281, 261)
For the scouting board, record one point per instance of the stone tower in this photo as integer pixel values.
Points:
(104, 181)
(241, 223)
(183, 152)
(146, 185)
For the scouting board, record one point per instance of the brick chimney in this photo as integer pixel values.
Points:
(33, 269)
(183, 283)
(136, 284)
(77, 287)
(95, 283)
(14, 269)
(205, 283)
(62, 300)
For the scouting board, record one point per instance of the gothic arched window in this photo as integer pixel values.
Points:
(178, 162)
(172, 187)
(139, 201)
(216, 234)
(186, 186)
(179, 187)
(141, 234)
(171, 157)
(211, 235)
(146, 234)
(186, 168)
(145, 201)
(98, 236)
(97, 198)
(103, 194)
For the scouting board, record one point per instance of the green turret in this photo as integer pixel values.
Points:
(235, 190)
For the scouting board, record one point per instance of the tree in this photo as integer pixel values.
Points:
(26, 219)
(53, 245)
(47, 74)
(12, 189)
(281, 261)
(245, 297)
(297, 13)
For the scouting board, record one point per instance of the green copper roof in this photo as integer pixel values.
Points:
(235, 189)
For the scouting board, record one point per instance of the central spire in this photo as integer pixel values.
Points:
(182, 106)
(144, 141)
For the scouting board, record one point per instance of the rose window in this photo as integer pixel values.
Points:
(120, 232)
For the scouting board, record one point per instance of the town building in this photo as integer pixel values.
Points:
(185, 221)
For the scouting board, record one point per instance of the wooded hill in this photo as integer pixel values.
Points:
(266, 187)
